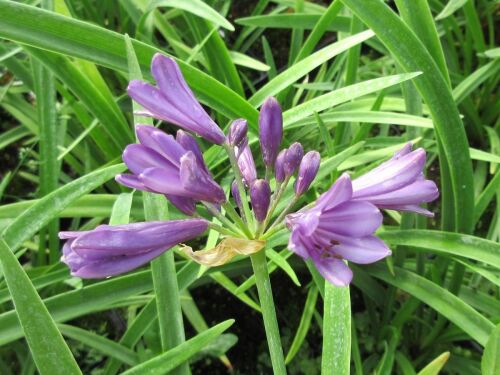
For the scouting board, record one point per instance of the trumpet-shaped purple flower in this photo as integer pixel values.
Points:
(173, 100)
(270, 130)
(398, 184)
(307, 172)
(172, 167)
(337, 228)
(112, 250)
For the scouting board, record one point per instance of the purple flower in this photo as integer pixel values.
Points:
(270, 130)
(247, 165)
(398, 184)
(293, 158)
(337, 228)
(172, 167)
(260, 196)
(237, 135)
(173, 101)
(307, 172)
(112, 250)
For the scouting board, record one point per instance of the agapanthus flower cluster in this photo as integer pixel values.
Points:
(339, 226)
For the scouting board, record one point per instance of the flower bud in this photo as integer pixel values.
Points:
(292, 158)
(236, 194)
(279, 170)
(307, 172)
(247, 166)
(237, 133)
(260, 196)
(270, 130)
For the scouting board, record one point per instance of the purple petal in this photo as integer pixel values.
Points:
(136, 238)
(173, 86)
(410, 208)
(260, 196)
(237, 133)
(363, 250)
(390, 175)
(163, 181)
(421, 191)
(339, 192)
(131, 181)
(293, 158)
(138, 158)
(307, 172)
(354, 219)
(199, 183)
(405, 150)
(247, 165)
(188, 142)
(156, 103)
(333, 270)
(270, 130)
(279, 170)
(183, 204)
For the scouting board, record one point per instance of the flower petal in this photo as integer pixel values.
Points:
(339, 192)
(354, 219)
(334, 270)
(421, 191)
(138, 158)
(131, 181)
(363, 250)
(163, 181)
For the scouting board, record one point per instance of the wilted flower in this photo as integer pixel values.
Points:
(270, 130)
(173, 101)
(398, 184)
(112, 250)
(337, 228)
(162, 165)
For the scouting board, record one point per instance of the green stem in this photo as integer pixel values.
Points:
(275, 200)
(236, 218)
(336, 355)
(222, 230)
(284, 212)
(259, 265)
(213, 210)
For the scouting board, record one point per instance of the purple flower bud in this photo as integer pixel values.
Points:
(173, 101)
(260, 196)
(292, 158)
(398, 184)
(238, 133)
(112, 250)
(270, 130)
(247, 165)
(279, 166)
(307, 172)
(236, 194)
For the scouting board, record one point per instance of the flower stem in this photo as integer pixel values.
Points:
(213, 210)
(237, 219)
(246, 214)
(284, 212)
(222, 230)
(259, 265)
(275, 200)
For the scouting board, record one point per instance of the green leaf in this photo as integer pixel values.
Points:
(436, 365)
(169, 360)
(196, 7)
(343, 95)
(47, 208)
(50, 353)
(247, 61)
(40, 29)
(451, 7)
(441, 300)
(336, 354)
(283, 264)
(102, 344)
(490, 363)
(300, 69)
(305, 323)
(455, 244)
